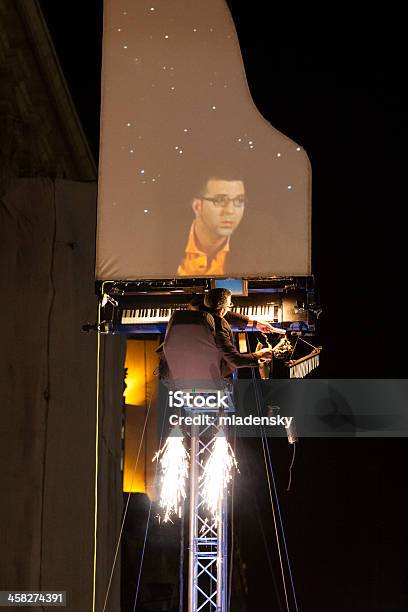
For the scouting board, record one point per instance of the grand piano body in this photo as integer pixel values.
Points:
(176, 113)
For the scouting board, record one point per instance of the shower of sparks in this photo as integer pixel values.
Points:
(217, 473)
(173, 461)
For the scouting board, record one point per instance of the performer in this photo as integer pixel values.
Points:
(199, 343)
(236, 319)
(218, 303)
(218, 212)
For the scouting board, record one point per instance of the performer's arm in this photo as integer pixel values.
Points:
(229, 352)
(235, 319)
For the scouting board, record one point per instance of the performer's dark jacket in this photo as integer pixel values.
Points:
(199, 346)
(231, 358)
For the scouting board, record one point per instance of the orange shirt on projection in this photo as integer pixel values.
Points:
(195, 261)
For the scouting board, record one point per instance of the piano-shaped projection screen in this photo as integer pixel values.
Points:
(193, 180)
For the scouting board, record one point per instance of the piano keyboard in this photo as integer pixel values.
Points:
(134, 316)
(265, 312)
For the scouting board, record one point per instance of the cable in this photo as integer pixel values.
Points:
(265, 445)
(306, 342)
(260, 523)
(126, 507)
(148, 516)
(181, 569)
(142, 557)
(293, 350)
(291, 466)
(232, 528)
(270, 494)
(98, 356)
(282, 529)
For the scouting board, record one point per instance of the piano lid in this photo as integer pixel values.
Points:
(194, 181)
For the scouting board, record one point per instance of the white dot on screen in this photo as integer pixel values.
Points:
(250, 142)
(128, 124)
(297, 148)
(172, 88)
(251, 146)
(125, 46)
(124, 13)
(185, 130)
(194, 29)
(180, 151)
(239, 139)
(131, 150)
(278, 155)
(213, 107)
(176, 147)
(145, 210)
(142, 172)
(289, 186)
(166, 36)
(152, 8)
(119, 29)
(153, 180)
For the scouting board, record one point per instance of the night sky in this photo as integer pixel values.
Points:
(335, 83)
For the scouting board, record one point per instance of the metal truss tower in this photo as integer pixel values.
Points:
(208, 535)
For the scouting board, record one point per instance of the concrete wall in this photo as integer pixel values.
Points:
(48, 397)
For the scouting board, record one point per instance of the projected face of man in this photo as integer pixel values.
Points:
(218, 211)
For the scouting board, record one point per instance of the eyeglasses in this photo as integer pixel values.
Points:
(222, 201)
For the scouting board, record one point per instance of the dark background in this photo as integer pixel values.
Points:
(335, 83)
